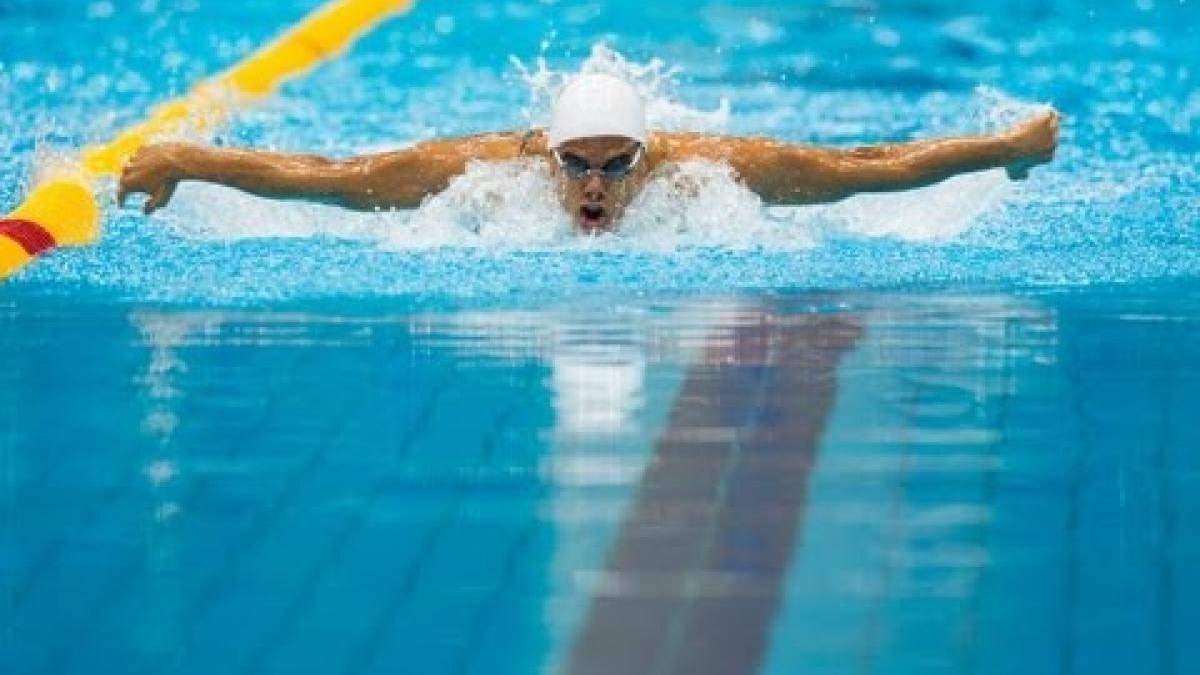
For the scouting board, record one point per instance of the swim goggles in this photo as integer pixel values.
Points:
(617, 168)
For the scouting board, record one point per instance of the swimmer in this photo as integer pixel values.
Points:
(600, 153)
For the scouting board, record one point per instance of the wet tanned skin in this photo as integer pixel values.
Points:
(780, 173)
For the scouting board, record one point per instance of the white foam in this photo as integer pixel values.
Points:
(211, 212)
(938, 212)
(503, 205)
(494, 204)
(702, 204)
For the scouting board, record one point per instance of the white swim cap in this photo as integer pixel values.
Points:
(596, 104)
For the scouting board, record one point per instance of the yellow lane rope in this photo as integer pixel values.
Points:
(64, 211)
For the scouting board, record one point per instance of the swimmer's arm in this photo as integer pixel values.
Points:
(783, 173)
(398, 179)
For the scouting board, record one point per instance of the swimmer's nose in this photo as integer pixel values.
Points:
(593, 189)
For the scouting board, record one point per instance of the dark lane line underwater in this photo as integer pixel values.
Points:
(695, 574)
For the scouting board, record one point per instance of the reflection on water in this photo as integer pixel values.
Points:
(843, 483)
(598, 391)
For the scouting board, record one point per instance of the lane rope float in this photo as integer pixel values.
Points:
(64, 210)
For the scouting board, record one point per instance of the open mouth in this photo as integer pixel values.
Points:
(592, 216)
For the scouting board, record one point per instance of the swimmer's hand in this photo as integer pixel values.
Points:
(154, 170)
(1032, 143)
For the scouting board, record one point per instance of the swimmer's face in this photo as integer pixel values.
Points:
(597, 178)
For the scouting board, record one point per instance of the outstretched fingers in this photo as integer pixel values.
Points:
(146, 173)
(159, 198)
(125, 187)
(130, 180)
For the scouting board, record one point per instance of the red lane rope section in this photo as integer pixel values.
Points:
(32, 237)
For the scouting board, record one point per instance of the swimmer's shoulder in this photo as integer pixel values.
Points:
(522, 144)
(679, 146)
(494, 145)
(534, 143)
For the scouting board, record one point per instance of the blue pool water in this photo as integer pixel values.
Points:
(948, 431)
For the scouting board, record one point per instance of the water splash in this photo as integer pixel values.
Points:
(501, 205)
(655, 80)
(209, 212)
(702, 204)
